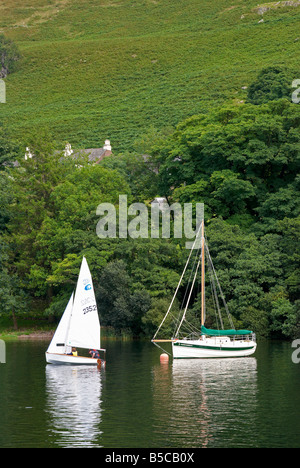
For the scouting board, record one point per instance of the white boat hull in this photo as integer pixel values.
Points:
(55, 358)
(213, 347)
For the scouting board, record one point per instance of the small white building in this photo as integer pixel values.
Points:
(95, 155)
(28, 154)
(162, 202)
(68, 150)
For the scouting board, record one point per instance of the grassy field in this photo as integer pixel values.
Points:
(97, 69)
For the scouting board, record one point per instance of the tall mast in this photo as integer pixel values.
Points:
(203, 278)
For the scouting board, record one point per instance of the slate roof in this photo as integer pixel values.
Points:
(96, 154)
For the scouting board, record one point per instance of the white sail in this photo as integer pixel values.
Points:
(58, 343)
(84, 331)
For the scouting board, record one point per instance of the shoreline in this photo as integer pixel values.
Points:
(36, 335)
(47, 335)
(30, 335)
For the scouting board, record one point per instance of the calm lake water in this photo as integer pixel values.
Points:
(139, 403)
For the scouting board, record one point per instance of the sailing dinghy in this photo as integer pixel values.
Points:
(79, 326)
(190, 342)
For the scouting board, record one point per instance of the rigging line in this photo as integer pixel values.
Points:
(191, 275)
(189, 298)
(215, 304)
(180, 281)
(189, 325)
(191, 328)
(156, 344)
(215, 295)
(186, 290)
(220, 289)
(190, 278)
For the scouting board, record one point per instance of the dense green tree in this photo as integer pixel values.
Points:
(152, 319)
(254, 274)
(289, 247)
(33, 183)
(242, 162)
(120, 307)
(139, 171)
(12, 296)
(6, 196)
(272, 83)
(9, 56)
(230, 193)
(53, 216)
(10, 149)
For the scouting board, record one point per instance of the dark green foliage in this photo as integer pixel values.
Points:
(9, 56)
(10, 150)
(6, 197)
(271, 84)
(13, 298)
(242, 162)
(120, 306)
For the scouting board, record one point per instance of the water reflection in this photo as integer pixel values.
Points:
(200, 399)
(74, 405)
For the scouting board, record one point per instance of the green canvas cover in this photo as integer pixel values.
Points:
(208, 331)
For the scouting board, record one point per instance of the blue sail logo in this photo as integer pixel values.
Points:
(87, 285)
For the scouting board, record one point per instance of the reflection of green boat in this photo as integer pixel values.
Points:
(206, 343)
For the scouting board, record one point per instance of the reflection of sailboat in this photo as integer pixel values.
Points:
(205, 343)
(215, 396)
(79, 326)
(205, 403)
(74, 405)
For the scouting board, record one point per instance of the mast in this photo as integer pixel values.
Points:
(203, 278)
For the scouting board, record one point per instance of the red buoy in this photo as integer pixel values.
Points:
(164, 358)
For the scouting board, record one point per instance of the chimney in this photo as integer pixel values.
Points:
(68, 150)
(28, 154)
(107, 146)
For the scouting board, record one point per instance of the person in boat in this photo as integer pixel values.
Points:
(94, 353)
(73, 352)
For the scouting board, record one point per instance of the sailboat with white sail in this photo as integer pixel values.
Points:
(190, 342)
(79, 326)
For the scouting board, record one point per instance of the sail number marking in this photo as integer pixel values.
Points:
(91, 308)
